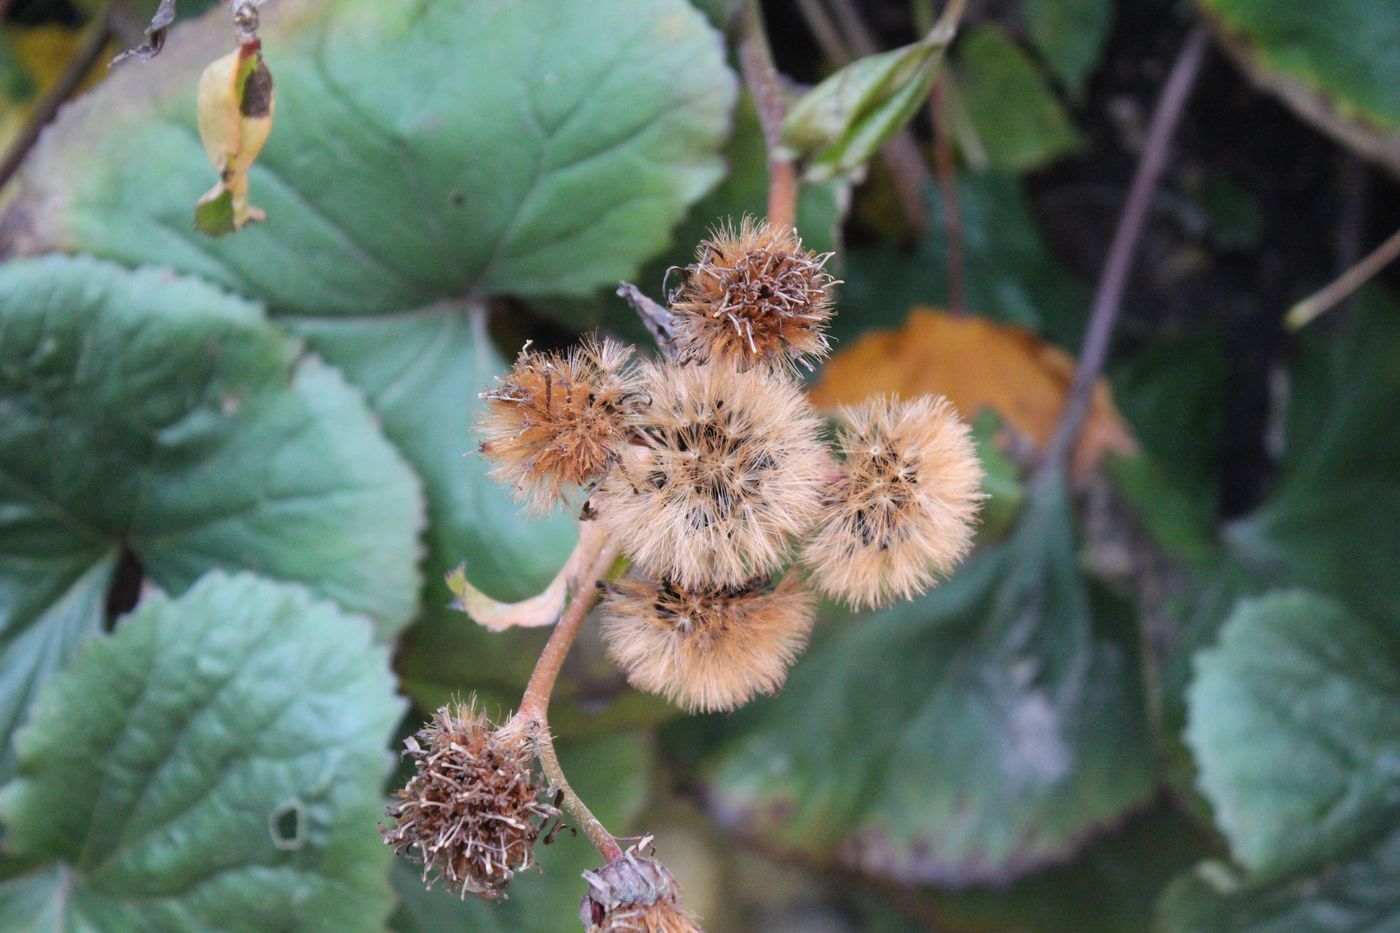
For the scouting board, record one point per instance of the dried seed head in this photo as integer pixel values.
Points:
(754, 295)
(635, 894)
(473, 811)
(706, 649)
(556, 422)
(734, 471)
(902, 513)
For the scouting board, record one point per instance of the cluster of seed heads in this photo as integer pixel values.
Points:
(711, 469)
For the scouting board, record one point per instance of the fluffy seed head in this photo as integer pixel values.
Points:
(754, 296)
(706, 649)
(635, 894)
(734, 472)
(902, 513)
(472, 812)
(558, 421)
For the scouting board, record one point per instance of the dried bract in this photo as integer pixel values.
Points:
(734, 471)
(902, 513)
(706, 649)
(557, 421)
(754, 295)
(636, 894)
(473, 811)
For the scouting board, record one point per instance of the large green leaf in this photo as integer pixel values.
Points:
(1295, 723)
(1357, 894)
(1332, 523)
(1010, 275)
(216, 764)
(1336, 64)
(421, 151)
(157, 416)
(1017, 120)
(610, 774)
(971, 735)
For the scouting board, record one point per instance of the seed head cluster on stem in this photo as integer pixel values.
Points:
(711, 473)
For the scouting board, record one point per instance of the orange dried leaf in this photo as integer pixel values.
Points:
(977, 364)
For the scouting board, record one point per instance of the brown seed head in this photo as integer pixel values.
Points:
(556, 422)
(706, 649)
(754, 295)
(473, 811)
(635, 894)
(902, 513)
(734, 472)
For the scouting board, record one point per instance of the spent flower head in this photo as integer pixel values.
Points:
(707, 649)
(902, 513)
(735, 470)
(636, 894)
(754, 295)
(473, 811)
(556, 421)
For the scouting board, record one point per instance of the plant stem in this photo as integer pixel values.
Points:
(770, 99)
(1349, 281)
(90, 45)
(534, 705)
(948, 193)
(592, 827)
(1108, 296)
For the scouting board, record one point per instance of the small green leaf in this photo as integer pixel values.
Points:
(423, 151)
(971, 735)
(216, 764)
(1019, 124)
(1295, 723)
(837, 126)
(156, 416)
(1071, 35)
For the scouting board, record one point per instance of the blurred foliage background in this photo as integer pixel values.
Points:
(1163, 694)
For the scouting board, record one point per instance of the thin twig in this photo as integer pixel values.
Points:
(1108, 296)
(770, 99)
(948, 194)
(90, 45)
(592, 827)
(1349, 281)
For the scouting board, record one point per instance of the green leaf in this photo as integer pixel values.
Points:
(1332, 523)
(422, 151)
(1010, 275)
(1336, 66)
(1018, 122)
(1355, 895)
(610, 773)
(1295, 723)
(972, 735)
(156, 416)
(1071, 35)
(837, 126)
(215, 764)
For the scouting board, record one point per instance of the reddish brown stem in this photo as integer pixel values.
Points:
(1346, 283)
(770, 100)
(1109, 294)
(534, 705)
(948, 194)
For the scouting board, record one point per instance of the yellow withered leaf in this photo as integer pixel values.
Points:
(978, 365)
(236, 103)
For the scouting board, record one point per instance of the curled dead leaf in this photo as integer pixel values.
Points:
(978, 364)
